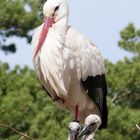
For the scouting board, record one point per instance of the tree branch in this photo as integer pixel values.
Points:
(21, 138)
(137, 126)
(119, 94)
(21, 134)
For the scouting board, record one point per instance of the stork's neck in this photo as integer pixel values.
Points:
(61, 25)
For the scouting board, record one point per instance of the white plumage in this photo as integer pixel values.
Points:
(66, 58)
(63, 65)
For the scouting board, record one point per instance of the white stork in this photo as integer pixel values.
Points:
(71, 69)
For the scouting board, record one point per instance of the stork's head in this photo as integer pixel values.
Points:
(55, 9)
(92, 122)
(74, 128)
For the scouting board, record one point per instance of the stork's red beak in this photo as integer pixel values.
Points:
(47, 24)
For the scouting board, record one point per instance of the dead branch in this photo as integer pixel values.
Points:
(138, 126)
(16, 131)
(21, 138)
(120, 94)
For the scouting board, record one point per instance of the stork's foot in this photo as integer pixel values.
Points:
(92, 122)
(74, 128)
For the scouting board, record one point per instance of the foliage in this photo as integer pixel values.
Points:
(122, 121)
(124, 82)
(24, 106)
(130, 39)
(18, 18)
(124, 76)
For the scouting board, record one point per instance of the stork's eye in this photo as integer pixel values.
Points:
(56, 8)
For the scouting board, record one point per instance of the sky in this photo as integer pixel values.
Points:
(100, 20)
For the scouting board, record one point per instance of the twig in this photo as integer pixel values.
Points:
(137, 126)
(118, 95)
(21, 138)
(21, 134)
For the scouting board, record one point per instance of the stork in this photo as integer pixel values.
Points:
(71, 69)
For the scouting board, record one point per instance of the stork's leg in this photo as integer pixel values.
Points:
(92, 122)
(74, 128)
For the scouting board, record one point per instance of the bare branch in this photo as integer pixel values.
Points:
(21, 134)
(21, 138)
(120, 94)
(138, 126)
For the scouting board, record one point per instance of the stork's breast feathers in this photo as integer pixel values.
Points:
(51, 62)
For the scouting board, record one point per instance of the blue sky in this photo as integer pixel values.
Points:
(100, 20)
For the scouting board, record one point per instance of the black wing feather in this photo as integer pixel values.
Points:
(96, 88)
